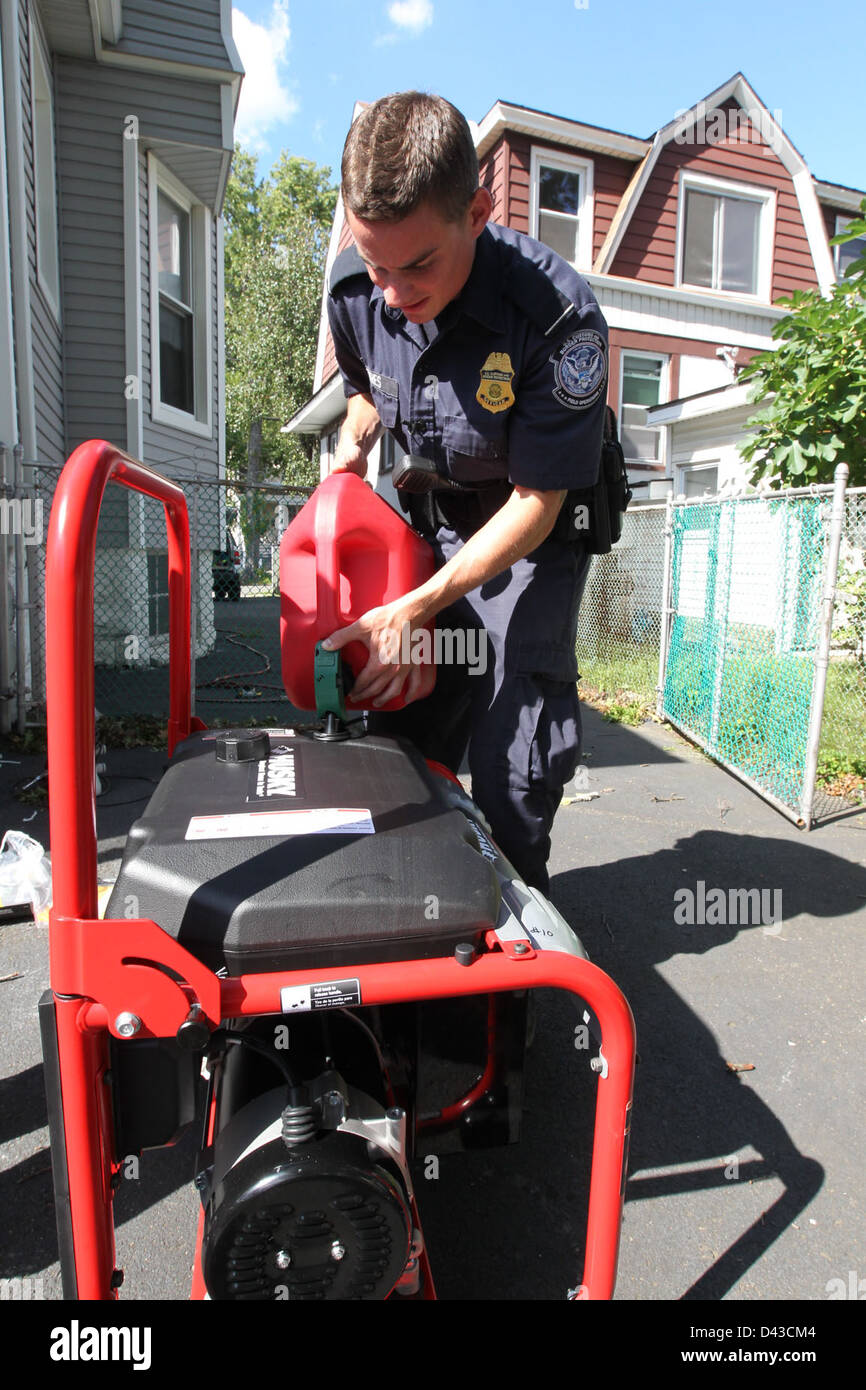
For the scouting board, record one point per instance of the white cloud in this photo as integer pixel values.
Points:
(413, 15)
(264, 49)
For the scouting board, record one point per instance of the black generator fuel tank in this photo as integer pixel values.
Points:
(306, 854)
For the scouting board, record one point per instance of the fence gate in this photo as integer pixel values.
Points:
(746, 581)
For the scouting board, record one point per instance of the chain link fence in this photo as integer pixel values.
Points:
(720, 630)
(746, 578)
(706, 610)
(234, 540)
(842, 751)
(619, 630)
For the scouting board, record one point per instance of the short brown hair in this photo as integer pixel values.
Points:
(404, 150)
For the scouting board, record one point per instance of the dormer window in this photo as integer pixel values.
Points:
(725, 236)
(561, 205)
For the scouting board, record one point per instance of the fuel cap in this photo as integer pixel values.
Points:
(248, 747)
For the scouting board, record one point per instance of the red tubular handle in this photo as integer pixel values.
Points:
(69, 654)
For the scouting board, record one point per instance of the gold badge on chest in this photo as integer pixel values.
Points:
(494, 391)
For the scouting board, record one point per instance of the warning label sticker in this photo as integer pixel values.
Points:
(327, 994)
(329, 820)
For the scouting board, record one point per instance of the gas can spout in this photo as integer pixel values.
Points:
(334, 731)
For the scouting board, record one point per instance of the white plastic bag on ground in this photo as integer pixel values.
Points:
(25, 871)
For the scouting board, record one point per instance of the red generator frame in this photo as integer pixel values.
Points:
(104, 969)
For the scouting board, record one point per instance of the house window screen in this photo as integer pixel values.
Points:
(176, 361)
(559, 198)
(641, 387)
(720, 242)
(849, 251)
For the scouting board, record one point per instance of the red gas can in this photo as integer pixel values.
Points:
(345, 552)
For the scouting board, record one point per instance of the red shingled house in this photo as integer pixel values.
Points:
(689, 240)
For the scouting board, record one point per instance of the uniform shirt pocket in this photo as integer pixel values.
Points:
(473, 455)
(387, 408)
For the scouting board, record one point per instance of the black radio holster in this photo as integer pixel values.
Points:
(592, 516)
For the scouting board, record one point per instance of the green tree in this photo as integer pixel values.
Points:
(816, 381)
(277, 232)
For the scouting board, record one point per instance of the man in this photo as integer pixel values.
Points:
(485, 353)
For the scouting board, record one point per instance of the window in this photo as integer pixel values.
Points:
(849, 250)
(44, 170)
(176, 317)
(699, 480)
(644, 383)
(181, 305)
(725, 237)
(561, 205)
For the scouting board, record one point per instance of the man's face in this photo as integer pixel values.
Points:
(422, 262)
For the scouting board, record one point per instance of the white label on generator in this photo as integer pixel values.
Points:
(327, 994)
(330, 820)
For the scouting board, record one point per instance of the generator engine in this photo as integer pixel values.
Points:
(306, 1188)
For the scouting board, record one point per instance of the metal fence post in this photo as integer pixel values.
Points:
(822, 654)
(666, 608)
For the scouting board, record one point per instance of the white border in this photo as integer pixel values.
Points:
(158, 177)
(753, 193)
(553, 159)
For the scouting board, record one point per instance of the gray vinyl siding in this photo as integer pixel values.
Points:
(47, 341)
(92, 103)
(90, 158)
(174, 30)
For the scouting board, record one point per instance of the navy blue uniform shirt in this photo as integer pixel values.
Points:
(510, 380)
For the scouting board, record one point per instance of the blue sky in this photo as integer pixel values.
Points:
(623, 64)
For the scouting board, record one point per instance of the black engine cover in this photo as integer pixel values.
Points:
(216, 862)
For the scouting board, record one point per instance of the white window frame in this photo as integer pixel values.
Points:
(200, 423)
(843, 221)
(664, 394)
(571, 164)
(685, 468)
(44, 172)
(766, 197)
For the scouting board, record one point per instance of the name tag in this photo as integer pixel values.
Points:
(385, 384)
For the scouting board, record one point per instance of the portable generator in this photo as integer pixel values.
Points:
(300, 916)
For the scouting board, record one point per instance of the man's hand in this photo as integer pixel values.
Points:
(387, 634)
(361, 429)
(525, 520)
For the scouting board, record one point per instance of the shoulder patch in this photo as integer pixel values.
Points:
(580, 369)
(347, 265)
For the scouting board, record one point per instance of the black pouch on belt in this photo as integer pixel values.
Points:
(592, 516)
